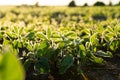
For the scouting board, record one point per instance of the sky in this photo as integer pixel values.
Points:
(53, 2)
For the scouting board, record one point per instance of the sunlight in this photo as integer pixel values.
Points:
(53, 2)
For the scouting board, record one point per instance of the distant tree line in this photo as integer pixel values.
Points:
(98, 3)
(25, 5)
(73, 4)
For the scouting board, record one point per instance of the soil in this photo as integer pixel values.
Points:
(109, 71)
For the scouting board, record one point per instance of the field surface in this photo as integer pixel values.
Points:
(59, 43)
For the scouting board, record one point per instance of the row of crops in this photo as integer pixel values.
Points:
(50, 40)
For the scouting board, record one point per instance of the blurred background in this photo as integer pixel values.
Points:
(57, 2)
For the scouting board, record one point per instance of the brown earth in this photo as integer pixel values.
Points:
(109, 71)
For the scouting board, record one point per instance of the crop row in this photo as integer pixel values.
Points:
(47, 48)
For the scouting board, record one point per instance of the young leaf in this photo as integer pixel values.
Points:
(103, 54)
(21, 30)
(66, 63)
(94, 39)
(41, 36)
(48, 33)
(16, 30)
(71, 34)
(96, 59)
(82, 47)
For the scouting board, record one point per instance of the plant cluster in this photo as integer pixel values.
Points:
(53, 42)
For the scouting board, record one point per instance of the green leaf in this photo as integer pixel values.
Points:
(66, 63)
(48, 33)
(6, 42)
(30, 55)
(26, 64)
(94, 39)
(39, 53)
(42, 66)
(16, 30)
(109, 54)
(1, 58)
(31, 35)
(29, 46)
(9, 34)
(87, 31)
(10, 68)
(71, 34)
(42, 49)
(1, 36)
(110, 29)
(21, 30)
(109, 36)
(41, 36)
(56, 35)
(103, 54)
(82, 47)
(61, 44)
(44, 45)
(96, 59)
(114, 44)
(17, 44)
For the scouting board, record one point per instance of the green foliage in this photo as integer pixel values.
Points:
(66, 63)
(72, 39)
(42, 66)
